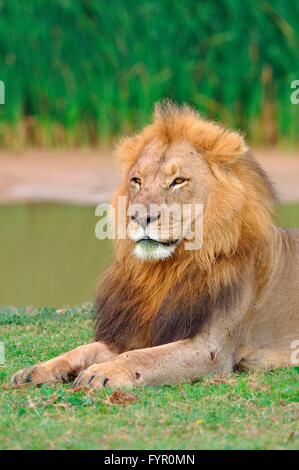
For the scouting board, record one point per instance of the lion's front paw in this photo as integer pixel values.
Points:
(105, 375)
(47, 372)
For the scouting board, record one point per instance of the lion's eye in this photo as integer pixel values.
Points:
(178, 182)
(136, 181)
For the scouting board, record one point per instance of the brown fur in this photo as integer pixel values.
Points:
(145, 304)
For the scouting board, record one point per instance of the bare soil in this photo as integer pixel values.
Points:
(89, 176)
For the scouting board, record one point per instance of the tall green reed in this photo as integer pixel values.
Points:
(82, 71)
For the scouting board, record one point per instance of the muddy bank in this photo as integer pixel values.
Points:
(90, 176)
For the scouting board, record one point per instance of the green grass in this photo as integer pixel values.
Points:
(252, 411)
(246, 411)
(87, 72)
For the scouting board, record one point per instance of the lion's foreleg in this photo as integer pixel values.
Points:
(210, 352)
(65, 367)
(167, 364)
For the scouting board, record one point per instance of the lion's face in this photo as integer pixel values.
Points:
(165, 180)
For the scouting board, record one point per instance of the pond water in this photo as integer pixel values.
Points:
(49, 255)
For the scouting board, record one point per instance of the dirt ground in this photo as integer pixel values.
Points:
(90, 176)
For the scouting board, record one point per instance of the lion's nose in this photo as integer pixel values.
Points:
(144, 221)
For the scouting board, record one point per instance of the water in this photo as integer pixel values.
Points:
(49, 255)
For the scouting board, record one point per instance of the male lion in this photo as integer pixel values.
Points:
(165, 314)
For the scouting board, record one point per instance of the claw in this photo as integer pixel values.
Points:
(91, 379)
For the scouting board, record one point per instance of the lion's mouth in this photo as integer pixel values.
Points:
(151, 243)
(149, 249)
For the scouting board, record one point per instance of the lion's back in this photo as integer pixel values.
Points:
(283, 290)
(274, 319)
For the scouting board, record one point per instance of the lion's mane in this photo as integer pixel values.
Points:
(141, 304)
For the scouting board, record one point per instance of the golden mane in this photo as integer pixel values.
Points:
(143, 300)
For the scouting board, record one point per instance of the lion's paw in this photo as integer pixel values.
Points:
(43, 373)
(105, 375)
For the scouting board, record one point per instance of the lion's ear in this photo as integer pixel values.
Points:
(216, 143)
(227, 148)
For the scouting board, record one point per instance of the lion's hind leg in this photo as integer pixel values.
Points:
(267, 358)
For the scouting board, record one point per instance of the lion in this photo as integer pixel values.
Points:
(165, 314)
